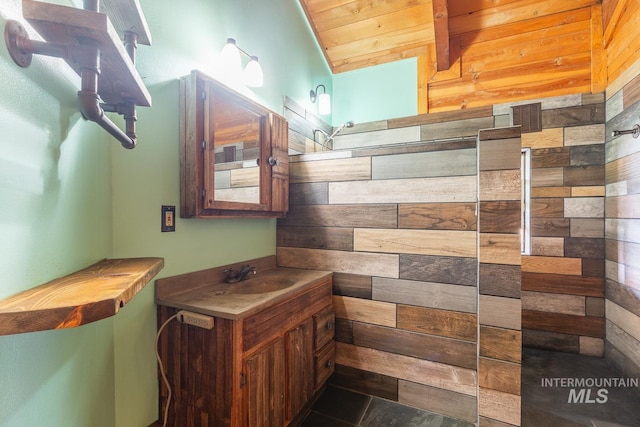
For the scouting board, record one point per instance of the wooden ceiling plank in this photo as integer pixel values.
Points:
(396, 40)
(510, 13)
(379, 58)
(528, 47)
(404, 19)
(441, 29)
(510, 30)
(360, 10)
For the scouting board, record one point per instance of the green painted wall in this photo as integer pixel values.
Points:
(376, 93)
(71, 196)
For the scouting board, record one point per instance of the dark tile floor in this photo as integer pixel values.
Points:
(542, 406)
(549, 406)
(338, 407)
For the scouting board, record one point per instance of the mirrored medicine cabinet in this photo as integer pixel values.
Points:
(233, 153)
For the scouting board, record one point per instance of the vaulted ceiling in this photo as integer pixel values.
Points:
(472, 52)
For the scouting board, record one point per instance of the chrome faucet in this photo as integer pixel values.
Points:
(232, 276)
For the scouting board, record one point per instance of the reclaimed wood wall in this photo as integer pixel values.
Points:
(515, 50)
(499, 304)
(622, 229)
(563, 278)
(400, 232)
(396, 220)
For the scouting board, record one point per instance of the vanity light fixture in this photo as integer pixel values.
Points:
(324, 100)
(230, 58)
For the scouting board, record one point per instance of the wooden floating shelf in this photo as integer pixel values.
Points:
(127, 16)
(119, 80)
(88, 295)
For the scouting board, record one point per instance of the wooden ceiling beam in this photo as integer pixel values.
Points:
(441, 27)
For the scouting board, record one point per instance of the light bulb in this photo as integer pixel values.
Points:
(324, 104)
(230, 58)
(253, 76)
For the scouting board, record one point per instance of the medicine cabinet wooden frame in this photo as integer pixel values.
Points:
(199, 94)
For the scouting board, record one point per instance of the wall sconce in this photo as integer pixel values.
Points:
(230, 57)
(324, 100)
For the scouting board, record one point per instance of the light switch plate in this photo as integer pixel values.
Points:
(168, 218)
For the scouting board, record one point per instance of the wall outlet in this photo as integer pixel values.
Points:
(195, 319)
(168, 218)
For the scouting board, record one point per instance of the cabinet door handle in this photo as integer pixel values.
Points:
(329, 363)
(273, 161)
(329, 325)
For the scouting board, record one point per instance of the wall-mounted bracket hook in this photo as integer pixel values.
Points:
(86, 41)
(635, 132)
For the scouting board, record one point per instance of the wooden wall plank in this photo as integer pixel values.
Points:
(425, 372)
(352, 285)
(499, 406)
(563, 284)
(547, 207)
(624, 319)
(550, 157)
(553, 265)
(500, 185)
(422, 242)
(547, 138)
(500, 248)
(499, 375)
(416, 190)
(372, 215)
(550, 227)
(563, 323)
(498, 154)
(500, 280)
(500, 216)
(426, 268)
(500, 312)
(314, 193)
(554, 303)
(413, 344)
(500, 343)
(330, 170)
(383, 265)
(425, 294)
(360, 310)
(315, 237)
(412, 165)
(547, 246)
(584, 207)
(584, 135)
(553, 341)
(437, 322)
(438, 216)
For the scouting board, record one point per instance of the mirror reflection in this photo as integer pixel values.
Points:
(237, 140)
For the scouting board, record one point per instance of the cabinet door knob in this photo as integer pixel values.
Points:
(329, 363)
(329, 325)
(273, 161)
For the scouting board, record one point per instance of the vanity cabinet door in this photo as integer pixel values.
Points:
(300, 374)
(263, 386)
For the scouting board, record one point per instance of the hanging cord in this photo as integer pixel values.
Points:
(164, 376)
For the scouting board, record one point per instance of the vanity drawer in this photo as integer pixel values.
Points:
(324, 324)
(325, 363)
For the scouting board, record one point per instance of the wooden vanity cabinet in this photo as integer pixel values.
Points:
(260, 371)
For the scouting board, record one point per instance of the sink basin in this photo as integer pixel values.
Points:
(253, 286)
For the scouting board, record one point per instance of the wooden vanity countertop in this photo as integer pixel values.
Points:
(212, 296)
